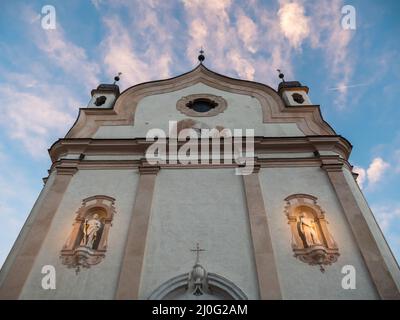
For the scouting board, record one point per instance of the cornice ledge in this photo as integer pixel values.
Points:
(147, 168)
(66, 170)
(336, 144)
(331, 163)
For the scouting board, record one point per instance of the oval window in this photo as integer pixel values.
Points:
(202, 105)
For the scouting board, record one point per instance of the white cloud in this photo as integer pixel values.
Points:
(328, 35)
(198, 30)
(209, 26)
(249, 47)
(36, 109)
(145, 54)
(243, 67)
(376, 170)
(247, 31)
(264, 40)
(60, 51)
(362, 175)
(373, 174)
(34, 118)
(70, 57)
(293, 22)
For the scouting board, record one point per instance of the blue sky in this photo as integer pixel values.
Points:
(46, 75)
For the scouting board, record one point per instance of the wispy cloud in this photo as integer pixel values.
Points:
(328, 35)
(294, 23)
(39, 103)
(145, 54)
(247, 31)
(34, 118)
(343, 88)
(61, 52)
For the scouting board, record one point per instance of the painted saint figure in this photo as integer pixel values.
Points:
(90, 229)
(308, 230)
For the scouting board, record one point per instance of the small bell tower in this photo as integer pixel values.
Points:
(105, 95)
(293, 93)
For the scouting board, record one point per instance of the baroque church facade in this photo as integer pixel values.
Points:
(116, 224)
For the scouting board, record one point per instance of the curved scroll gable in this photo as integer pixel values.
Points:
(308, 118)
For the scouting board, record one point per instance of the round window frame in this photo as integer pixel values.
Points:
(182, 105)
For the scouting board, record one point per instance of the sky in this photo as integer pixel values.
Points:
(46, 75)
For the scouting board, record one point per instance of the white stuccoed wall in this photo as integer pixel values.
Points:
(206, 206)
(298, 279)
(243, 112)
(100, 281)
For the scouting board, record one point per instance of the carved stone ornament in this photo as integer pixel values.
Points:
(198, 284)
(311, 241)
(218, 104)
(87, 243)
(198, 281)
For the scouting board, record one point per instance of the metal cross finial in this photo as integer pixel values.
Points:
(201, 57)
(197, 250)
(281, 75)
(116, 78)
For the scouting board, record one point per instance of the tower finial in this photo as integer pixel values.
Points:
(201, 56)
(281, 75)
(117, 77)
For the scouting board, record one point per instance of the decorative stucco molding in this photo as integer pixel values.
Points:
(311, 241)
(138, 146)
(183, 105)
(308, 118)
(180, 283)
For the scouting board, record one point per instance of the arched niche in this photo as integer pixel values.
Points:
(179, 288)
(88, 240)
(312, 242)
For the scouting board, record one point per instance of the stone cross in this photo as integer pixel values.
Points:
(197, 250)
